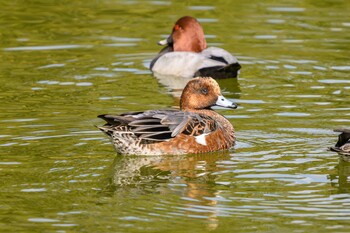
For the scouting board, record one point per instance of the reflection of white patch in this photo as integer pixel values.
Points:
(201, 139)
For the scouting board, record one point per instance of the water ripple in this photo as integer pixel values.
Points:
(50, 47)
(333, 81)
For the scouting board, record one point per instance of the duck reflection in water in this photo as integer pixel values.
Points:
(341, 180)
(192, 178)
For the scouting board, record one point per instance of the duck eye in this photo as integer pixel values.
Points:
(177, 27)
(204, 91)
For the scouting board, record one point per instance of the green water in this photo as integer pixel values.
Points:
(65, 62)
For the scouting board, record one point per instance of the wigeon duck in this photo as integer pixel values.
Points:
(343, 144)
(186, 54)
(193, 129)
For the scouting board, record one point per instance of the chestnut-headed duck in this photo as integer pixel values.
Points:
(343, 144)
(193, 129)
(186, 54)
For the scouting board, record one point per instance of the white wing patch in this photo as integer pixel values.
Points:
(201, 139)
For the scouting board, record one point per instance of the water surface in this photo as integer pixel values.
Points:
(64, 63)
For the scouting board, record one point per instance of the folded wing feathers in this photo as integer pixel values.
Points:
(176, 122)
(143, 122)
(151, 128)
(155, 136)
(115, 119)
(158, 125)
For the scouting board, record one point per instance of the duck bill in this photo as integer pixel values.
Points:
(163, 42)
(223, 102)
(167, 41)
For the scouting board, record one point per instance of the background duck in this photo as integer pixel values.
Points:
(343, 144)
(195, 128)
(186, 54)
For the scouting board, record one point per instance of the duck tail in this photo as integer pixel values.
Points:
(218, 72)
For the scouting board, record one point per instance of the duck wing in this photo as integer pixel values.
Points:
(218, 72)
(182, 64)
(161, 125)
(229, 66)
(219, 54)
(213, 62)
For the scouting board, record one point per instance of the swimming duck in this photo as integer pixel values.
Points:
(186, 54)
(343, 144)
(193, 129)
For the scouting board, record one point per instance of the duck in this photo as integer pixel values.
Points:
(343, 144)
(193, 129)
(186, 54)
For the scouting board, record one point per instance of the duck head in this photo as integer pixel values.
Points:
(203, 93)
(187, 35)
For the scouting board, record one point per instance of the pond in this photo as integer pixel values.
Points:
(65, 62)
